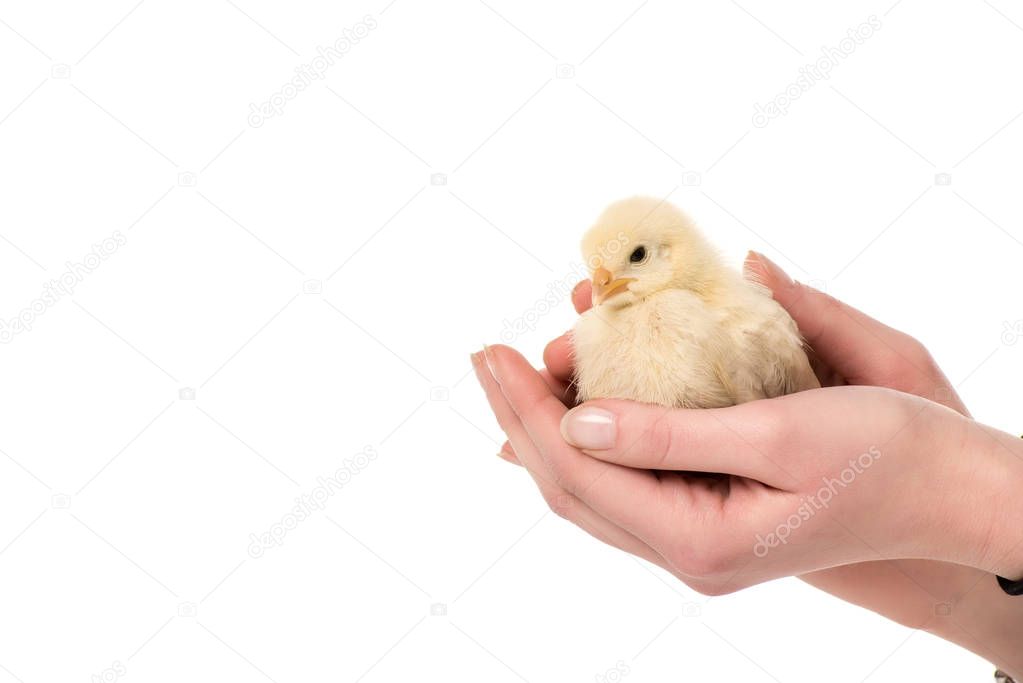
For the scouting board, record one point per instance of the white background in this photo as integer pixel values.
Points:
(126, 511)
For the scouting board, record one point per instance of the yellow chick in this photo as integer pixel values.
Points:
(672, 324)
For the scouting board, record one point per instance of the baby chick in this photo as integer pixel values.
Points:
(672, 324)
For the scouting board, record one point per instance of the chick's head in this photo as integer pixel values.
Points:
(641, 246)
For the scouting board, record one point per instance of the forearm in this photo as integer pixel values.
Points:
(997, 498)
(985, 621)
(981, 616)
(980, 530)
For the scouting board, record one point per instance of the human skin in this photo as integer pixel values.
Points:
(929, 513)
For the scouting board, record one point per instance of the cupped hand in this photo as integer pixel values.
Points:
(847, 347)
(803, 482)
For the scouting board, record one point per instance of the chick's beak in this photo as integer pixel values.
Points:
(606, 286)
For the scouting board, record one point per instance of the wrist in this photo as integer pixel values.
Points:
(993, 465)
(982, 619)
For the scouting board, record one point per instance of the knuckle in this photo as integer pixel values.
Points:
(916, 351)
(560, 503)
(704, 563)
(558, 478)
(899, 365)
(908, 355)
(826, 299)
(817, 298)
(773, 433)
(663, 438)
(928, 363)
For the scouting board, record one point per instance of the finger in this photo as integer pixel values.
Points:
(509, 423)
(587, 519)
(508, 453)
(715, 440)
(627, 497)
(826, 375)
(848, 340)
(559, 387)
(557, 356)
(852, 344)
(560, 501)
(582, 296)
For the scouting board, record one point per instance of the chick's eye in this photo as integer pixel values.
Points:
(637, 255)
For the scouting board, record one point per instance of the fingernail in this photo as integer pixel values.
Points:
(507, 453)
(588, 427)
(477, 361)
(761, 269)
(488, 357)
(753, 268)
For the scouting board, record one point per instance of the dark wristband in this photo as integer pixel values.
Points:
(1011, 587)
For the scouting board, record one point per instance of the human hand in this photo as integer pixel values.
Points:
(848, 348)
(814, 480)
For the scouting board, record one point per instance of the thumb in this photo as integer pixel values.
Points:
(849, 341)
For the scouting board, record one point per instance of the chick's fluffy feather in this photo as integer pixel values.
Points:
(689, 331)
